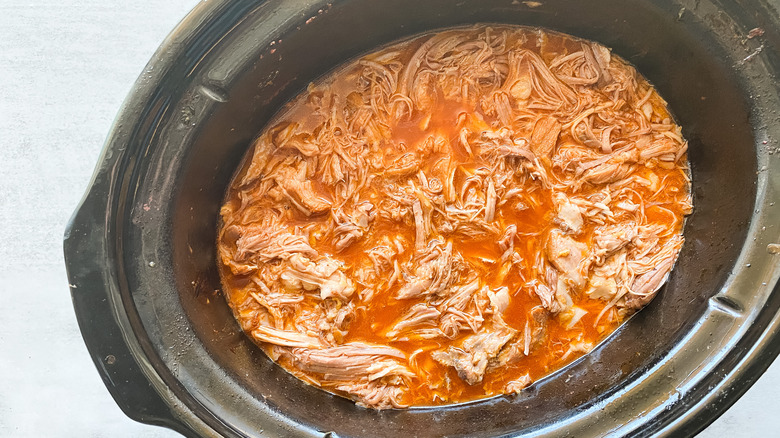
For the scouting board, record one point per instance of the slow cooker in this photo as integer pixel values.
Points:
(141, 257)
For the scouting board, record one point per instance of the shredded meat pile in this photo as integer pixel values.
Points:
(454, 216)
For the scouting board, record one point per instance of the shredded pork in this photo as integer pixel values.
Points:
(454, 216)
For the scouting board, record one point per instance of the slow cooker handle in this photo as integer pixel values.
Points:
(95, 297)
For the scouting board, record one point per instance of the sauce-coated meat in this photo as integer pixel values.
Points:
(454, 216)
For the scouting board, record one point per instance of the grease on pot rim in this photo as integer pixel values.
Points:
(454, 216)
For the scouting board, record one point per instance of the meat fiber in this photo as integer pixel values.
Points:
(569, 258)
(545, 136)
(324, 274)
(299, 191)
(434, 273)
(374, 375)
(470, 360)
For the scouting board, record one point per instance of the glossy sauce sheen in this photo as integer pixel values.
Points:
(375, 314)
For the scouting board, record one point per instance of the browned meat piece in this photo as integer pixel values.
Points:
(568, 256)
(611, 168)
(433, 275)
(545, 136)
(471, 359)
(261, 151)
(526, 341)
(517, 385)
(299, 191)
(325, 275)
(646, 285)
(373, 374)
(286, 135)
(514, 150)
(663, 149)
(608, 173)
(608, 276)
(603, 288)
(345, 363)
(259, 243)
(547, 296)
(651, 269)
(501, 144)
(535, 329)
(610, 239)
(553, 292)
(597, 57)
(285, 338)
(576, 347)
(376, 395)
(403, 165)
(510, 354)
(352, 227)
(264, 244)
(419, 314)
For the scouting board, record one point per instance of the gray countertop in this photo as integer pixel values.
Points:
(65, 67)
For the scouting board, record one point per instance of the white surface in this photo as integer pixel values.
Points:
(65, 67)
